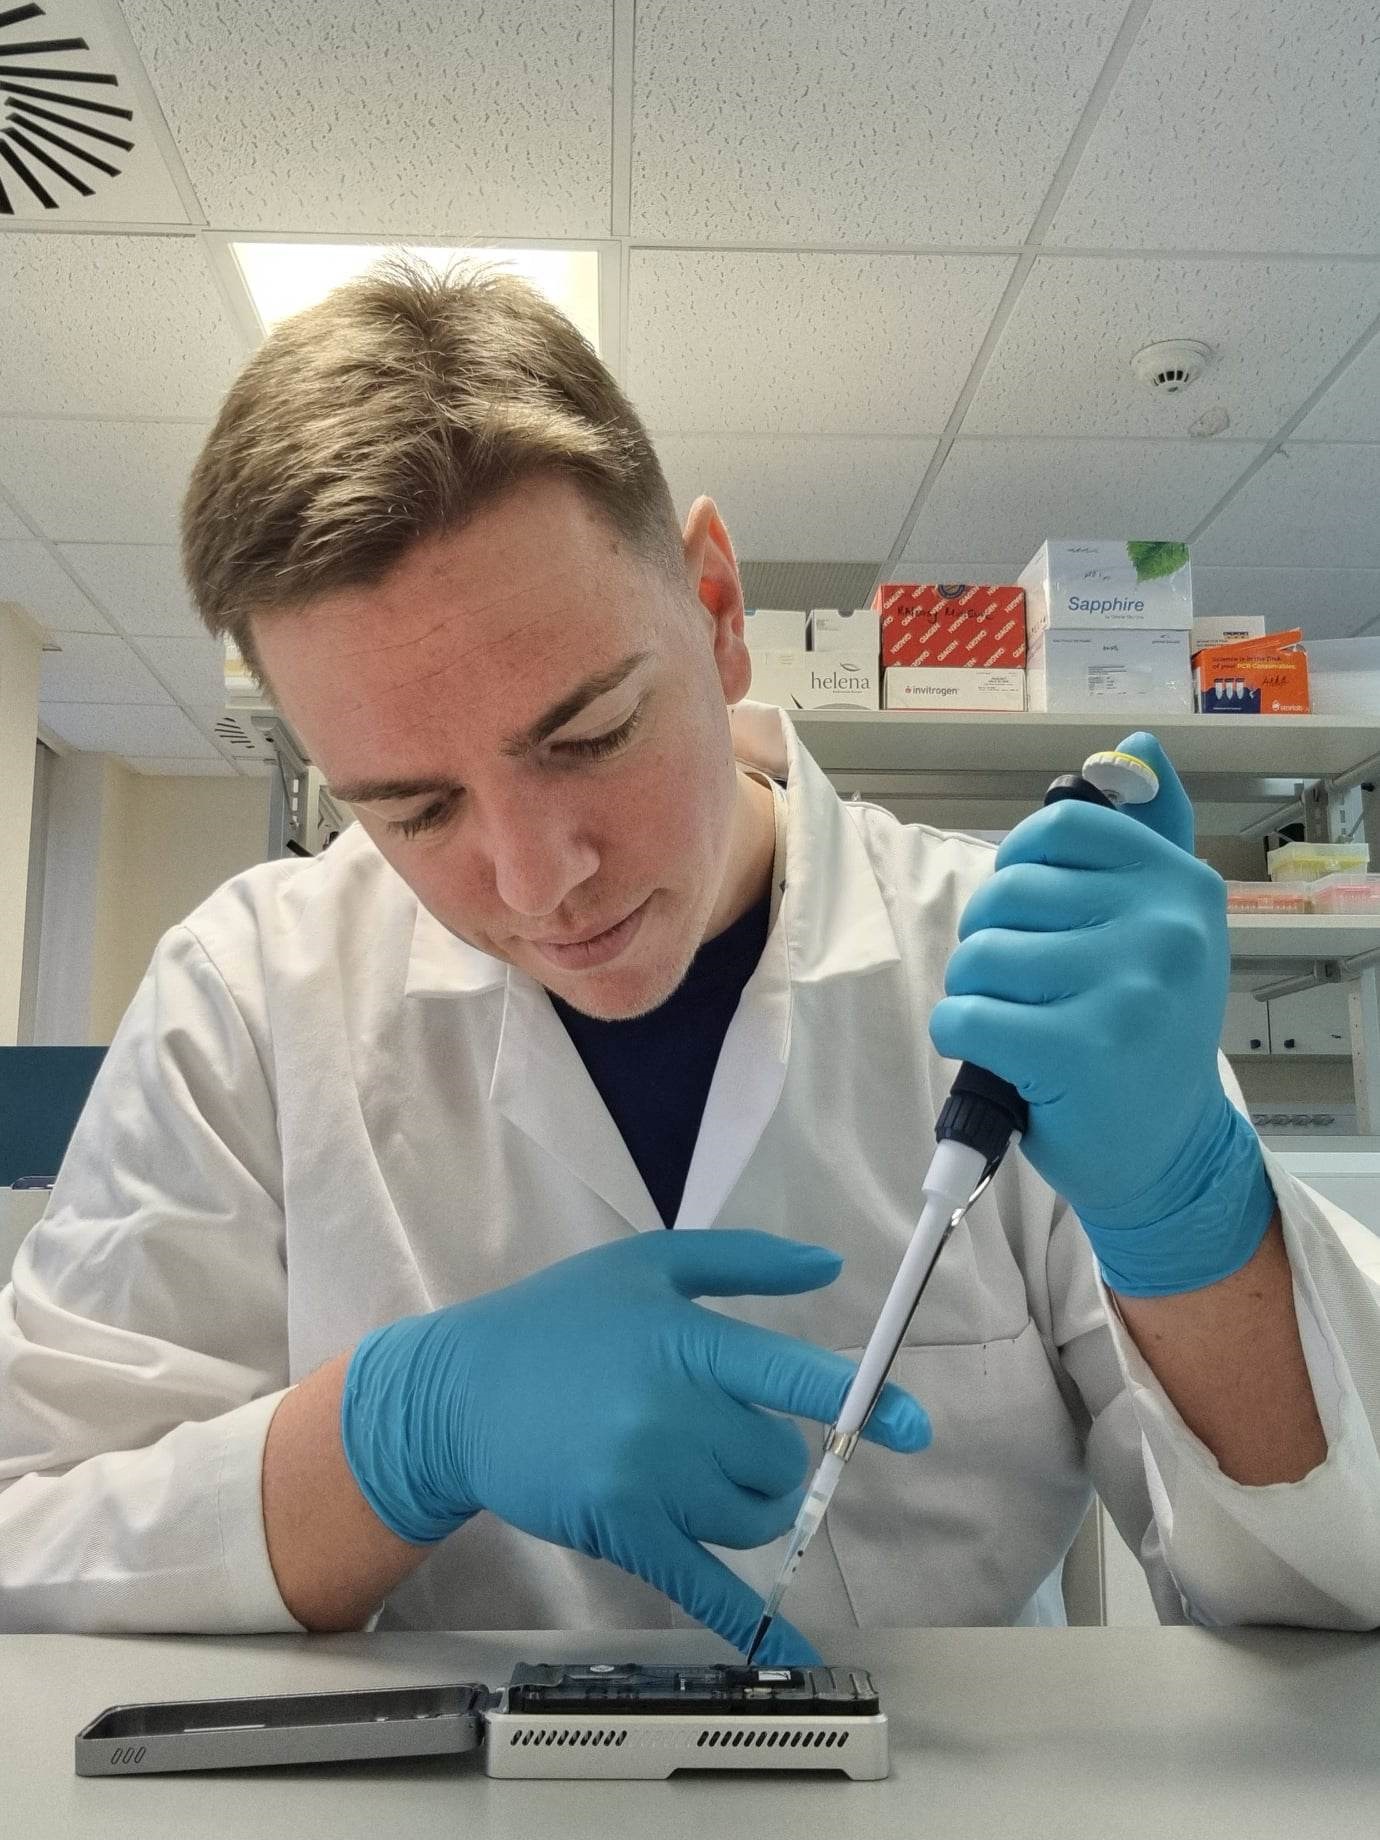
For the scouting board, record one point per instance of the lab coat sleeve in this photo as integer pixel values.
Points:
(1218, 1552)
(143, 1340)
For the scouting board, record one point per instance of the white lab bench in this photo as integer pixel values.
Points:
(1042, 1733)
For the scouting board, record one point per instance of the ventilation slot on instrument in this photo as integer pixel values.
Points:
(595, 1737)
(772, 1737)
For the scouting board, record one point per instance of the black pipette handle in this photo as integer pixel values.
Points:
(981, 1110)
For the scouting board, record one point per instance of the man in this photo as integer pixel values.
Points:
(353, 1298)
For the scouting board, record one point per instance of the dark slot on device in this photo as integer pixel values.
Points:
(751, 1691)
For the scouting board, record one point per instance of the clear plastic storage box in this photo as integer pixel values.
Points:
(1267, 898)
(1310, 862)
(1351, 891)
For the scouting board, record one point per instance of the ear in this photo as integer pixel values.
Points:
(712, 569)
(1169, 812)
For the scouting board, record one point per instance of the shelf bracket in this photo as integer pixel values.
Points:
(1363, 1000)
(1325, 971)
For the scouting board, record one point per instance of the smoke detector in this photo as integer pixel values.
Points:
(1172, 365)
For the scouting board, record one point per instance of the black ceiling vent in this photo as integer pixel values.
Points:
(55, 136)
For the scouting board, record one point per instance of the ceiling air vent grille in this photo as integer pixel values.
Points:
(55, 136)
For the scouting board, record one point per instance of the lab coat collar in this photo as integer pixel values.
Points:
(835, 919)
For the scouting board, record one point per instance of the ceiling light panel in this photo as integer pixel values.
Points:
(282, 278)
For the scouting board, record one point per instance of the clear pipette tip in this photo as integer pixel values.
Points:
(807, 1524)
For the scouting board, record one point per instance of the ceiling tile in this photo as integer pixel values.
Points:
(192, 666)
(1236, 128)
(181, 769)
(112, 325)
(1008, 496)
(1326, 603)
(1307, 507)
(903, 121)
(1063, 363)
(395, 116)
(739, 343)
(112, 169)
(11, 529)
(97, 668)
(128, 729)
(833, 500)
(140, 584)
(806, 584)
(29, 575)
(100, 482)
(923, 569)
(1350, 411)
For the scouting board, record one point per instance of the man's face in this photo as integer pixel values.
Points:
(583, 838)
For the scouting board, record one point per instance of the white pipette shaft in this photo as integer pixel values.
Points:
(953, 1175)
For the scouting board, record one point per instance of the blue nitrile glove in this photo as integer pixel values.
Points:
(1092, 975)
(594, 1405)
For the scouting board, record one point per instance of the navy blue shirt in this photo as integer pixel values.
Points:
(653, 1072)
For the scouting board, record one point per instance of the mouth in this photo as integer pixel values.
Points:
(594, 948)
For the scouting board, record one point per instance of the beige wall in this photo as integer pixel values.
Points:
(129, 855)
(20, 644)
(166, 844)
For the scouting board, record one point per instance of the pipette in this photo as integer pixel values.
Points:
(978, 1121)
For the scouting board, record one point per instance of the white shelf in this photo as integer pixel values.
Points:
(1302, 936)
(1282, 747)
(986, 771)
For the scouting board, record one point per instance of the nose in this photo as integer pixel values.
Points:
(540, 850)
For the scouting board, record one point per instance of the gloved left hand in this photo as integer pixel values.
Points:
(1092, 974)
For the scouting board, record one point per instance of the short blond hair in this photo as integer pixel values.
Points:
(394, 410)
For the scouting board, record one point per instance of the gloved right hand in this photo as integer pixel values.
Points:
(595, 1405)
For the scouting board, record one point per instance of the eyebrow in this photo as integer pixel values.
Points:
(375, 791)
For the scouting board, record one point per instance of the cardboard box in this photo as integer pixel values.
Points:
(976, 625)
(1101, 672)
(846, 629)
(912, 687)
(796, 679)
(775, 628)
(1227, 629)
(1259, 677)
(1107, 586)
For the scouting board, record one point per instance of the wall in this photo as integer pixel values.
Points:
(179, 840)
(129, 855)
(20, 643)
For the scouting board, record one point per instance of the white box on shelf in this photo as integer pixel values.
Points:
(1227, 629)
(1070, 671)
(1108, 586)
(846, 629)
(1344, 677)
(774, 628)
(793, 678)
(907, 686)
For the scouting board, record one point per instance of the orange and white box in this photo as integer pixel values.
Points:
(952, 625)
(1258, 677)
(918, 687)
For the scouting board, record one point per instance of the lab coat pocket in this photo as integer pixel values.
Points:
(965, 1531)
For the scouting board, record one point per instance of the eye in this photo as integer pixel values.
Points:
(436, 813)
(595, 747)
(598, 746)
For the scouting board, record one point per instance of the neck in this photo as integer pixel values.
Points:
(751, 854)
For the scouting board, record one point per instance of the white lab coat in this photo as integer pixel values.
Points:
(322, 1111)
